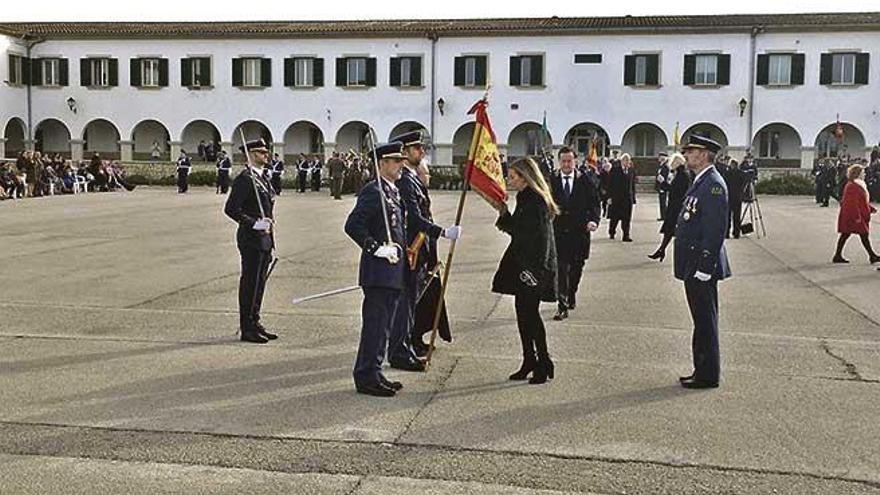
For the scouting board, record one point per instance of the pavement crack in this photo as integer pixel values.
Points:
(440, 387)
(850, 368)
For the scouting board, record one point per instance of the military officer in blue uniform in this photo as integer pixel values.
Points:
(700, 257)
(250, 204)
(417, 205)
(382, 267)
(277, 173)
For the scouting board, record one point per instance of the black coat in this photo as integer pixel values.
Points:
(242, 207)
(576, 211)
(532, 249)
(677, 191)
(736, 183)
(622, 192)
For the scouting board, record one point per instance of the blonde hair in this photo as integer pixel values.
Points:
(854, 171)
(676, 159)
(528, 169)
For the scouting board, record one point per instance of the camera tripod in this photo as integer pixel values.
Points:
(753, 212)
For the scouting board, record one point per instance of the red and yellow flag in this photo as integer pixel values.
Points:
(593, 157)
(483, 167)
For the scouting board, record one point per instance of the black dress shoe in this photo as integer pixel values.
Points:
(396, 386)
(253, 336)
(408, 365)
(839, 259)
(686, 378)
(572, 305)
(658, 255)
(375, 389)
(265, 333)
(627, 239)
(699, 384)
(561, 315)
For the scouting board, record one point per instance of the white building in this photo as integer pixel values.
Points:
(777, 84)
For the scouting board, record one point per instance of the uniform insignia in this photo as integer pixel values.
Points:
(717, 191)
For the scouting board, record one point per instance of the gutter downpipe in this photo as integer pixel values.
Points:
(433, 37)
(30, 113)
(756, 30)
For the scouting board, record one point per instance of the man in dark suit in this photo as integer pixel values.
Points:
(417, 206)
(736, 184)
(621, 196)
(382, 268)
(700, 257)
(250, 204)
(579, 216)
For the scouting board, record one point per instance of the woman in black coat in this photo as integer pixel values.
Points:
(677, 191)
(528, 268)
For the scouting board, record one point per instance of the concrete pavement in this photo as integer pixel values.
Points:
(120, 368)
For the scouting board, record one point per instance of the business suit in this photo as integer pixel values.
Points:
(699, 247)
(578, 201)
(622, 194)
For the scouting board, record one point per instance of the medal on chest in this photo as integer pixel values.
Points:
(690, 208)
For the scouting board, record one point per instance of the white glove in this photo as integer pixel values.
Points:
(387, 252)
(702, 277)
(592, 226)
(661, 179)
(262, 224)
(452, 233)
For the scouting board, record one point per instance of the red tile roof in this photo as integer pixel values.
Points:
(869, 21)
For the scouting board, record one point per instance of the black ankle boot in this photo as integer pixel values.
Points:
(540, 375)
(527, 367)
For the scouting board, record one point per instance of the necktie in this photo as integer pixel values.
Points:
(567, 186)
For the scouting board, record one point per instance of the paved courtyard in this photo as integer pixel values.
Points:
(120, 370)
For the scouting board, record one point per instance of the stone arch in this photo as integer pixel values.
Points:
(15, 134)
(303, 137)
(526, 139)
(144, 134)
(195, 132)
(709, 130)
(409, 126)
(52, 136)
(582, 135)
(101, 136)
(461, 142)
(777, 144)
(829, 144)
(643, 141)
(353, 135)
(252, 129)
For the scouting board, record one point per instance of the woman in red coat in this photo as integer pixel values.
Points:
(855, 214)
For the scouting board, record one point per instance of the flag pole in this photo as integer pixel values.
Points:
(464, 188)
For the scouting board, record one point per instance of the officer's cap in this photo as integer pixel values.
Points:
(703, 143)
(663, 153)
(413, 138)
(392, 151)
(255, 145)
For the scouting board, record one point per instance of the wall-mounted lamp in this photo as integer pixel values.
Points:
(441, 103)
(742, 106)
(71, 104)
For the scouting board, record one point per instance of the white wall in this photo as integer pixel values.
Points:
(573, 93)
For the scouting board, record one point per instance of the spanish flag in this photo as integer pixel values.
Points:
(483, 167)
(593, 156)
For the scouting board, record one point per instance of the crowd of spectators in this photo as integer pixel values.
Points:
(34, 174)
